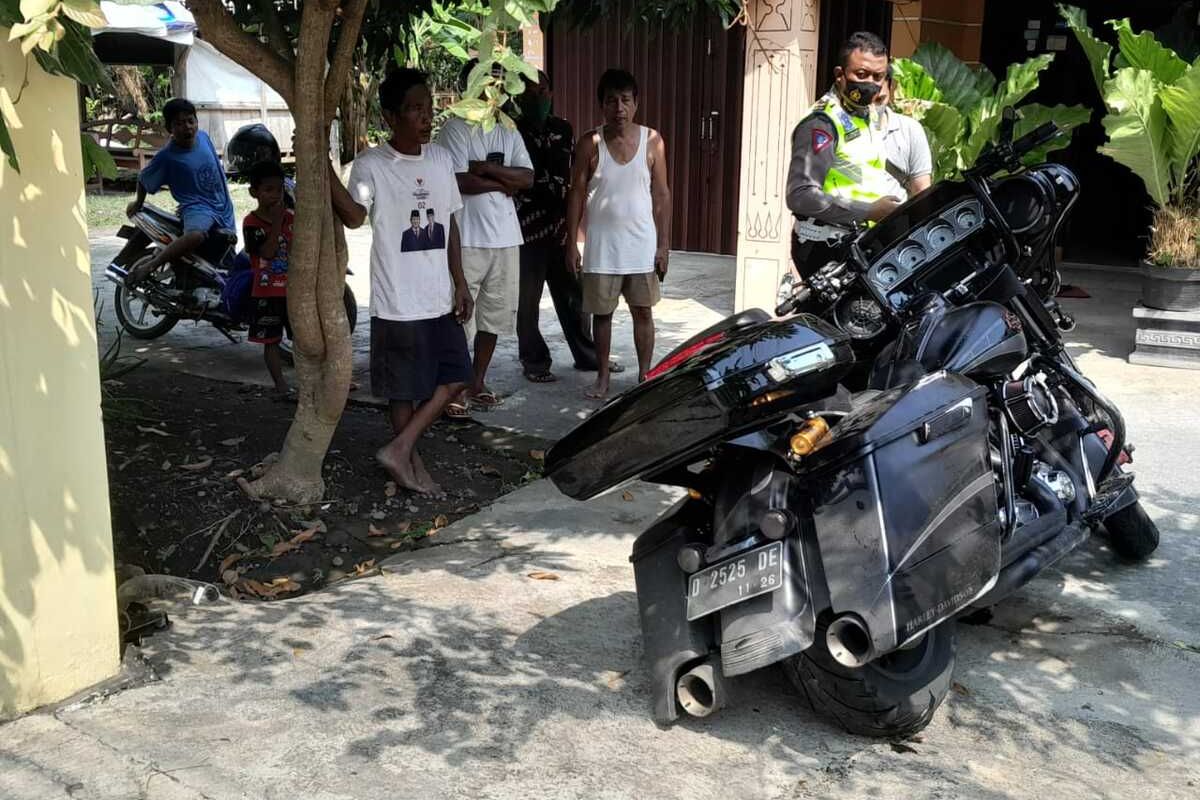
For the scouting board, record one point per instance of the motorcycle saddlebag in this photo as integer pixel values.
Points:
(905, 507)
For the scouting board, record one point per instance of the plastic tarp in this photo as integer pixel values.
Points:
(213, 78)
(168, 20)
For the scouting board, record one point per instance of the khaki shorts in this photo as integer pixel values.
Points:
(601, 292)
(494, 278)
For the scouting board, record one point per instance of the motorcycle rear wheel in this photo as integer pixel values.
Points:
(892, 696)
(1131, 533)
(136, 316)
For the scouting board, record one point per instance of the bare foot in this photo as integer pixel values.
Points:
(397, 460)
(598, 390)
(423, 474)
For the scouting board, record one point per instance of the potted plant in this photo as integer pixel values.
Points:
(1153, 126)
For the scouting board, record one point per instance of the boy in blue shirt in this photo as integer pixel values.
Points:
(190, 167)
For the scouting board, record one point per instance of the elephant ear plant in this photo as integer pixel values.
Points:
(1153, 126)
(961, 107)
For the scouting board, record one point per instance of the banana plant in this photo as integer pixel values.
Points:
(1153, 101)
(961, 108)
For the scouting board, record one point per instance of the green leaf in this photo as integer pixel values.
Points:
(1067, 118)
(1137, 130)
(985, 81)
(984, 120)
(96, 160)
(1099, 53)
(6, 145)
(944, 126)
(914, 83)
(85, 12)
(1181, 102)
(958, 84)
(1143, 51)
(79, 60)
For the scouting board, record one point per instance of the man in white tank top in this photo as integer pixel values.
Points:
(620, 179)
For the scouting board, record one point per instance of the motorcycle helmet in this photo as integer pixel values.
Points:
(251, 144)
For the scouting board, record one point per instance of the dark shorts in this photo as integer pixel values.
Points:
(410, 360)
(268, 320)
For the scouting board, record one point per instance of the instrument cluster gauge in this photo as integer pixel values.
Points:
(886, 275)
(910, 256)
(939, 235)
(967, 217)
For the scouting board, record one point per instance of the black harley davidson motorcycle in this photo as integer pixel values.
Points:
(906, 441)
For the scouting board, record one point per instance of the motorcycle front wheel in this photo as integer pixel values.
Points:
(139, 317)
(892, 696)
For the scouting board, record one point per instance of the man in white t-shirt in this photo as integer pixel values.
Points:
(419, 296)
(909, 161)
(491, 167)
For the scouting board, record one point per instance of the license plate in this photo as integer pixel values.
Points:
(740, 578)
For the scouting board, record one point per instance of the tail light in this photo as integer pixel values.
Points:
(675, 359)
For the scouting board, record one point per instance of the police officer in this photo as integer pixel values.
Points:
(838, 174)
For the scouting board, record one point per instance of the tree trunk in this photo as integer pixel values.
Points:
(316, 277)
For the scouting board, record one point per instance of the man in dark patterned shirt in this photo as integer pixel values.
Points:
(542, 211)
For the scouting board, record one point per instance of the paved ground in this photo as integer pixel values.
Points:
(455, 674)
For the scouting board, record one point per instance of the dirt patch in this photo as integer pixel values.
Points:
(176, 445)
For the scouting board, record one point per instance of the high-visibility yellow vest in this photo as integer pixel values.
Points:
(859, 171)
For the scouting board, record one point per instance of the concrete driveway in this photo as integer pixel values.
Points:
(457, 674)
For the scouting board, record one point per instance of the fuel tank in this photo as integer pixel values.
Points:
(980, 340)
(749, 376)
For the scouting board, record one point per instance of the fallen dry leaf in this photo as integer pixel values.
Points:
(237, 473)
(490, 471)
(627, 497)
(440, 522)
(960, 689)
(537, 455)
(154, 431)
(234, 442)
(899, 747)
(305, 535)
(389, 489)
(282, 547)
(364, 567)
(229, 561)
(373, 531)
(403, 527)
(538, 575)
(398, 545)
(229, 576)
(196, 466)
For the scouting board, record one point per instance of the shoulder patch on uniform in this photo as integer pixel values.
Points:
(820, 140)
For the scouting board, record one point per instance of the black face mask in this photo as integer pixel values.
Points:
(860, 94)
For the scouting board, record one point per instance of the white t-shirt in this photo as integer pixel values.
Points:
(410, 271)
(907, 149)
(487, 220)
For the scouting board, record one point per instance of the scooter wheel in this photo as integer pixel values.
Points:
(1131, 533)
(893, 696)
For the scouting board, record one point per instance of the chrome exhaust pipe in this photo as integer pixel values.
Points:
(701, 690)
(849, 641)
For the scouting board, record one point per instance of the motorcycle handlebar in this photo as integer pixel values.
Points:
(792, 303)
(1036, 138)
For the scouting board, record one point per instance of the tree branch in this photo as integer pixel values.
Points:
(339, 69)
(273, 27)
(223, 33)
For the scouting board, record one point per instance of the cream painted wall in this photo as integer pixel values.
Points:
(781, 70)
(58, 618)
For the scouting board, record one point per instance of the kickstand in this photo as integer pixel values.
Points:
(227, 334)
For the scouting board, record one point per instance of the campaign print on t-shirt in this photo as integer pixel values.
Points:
(424, 231)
